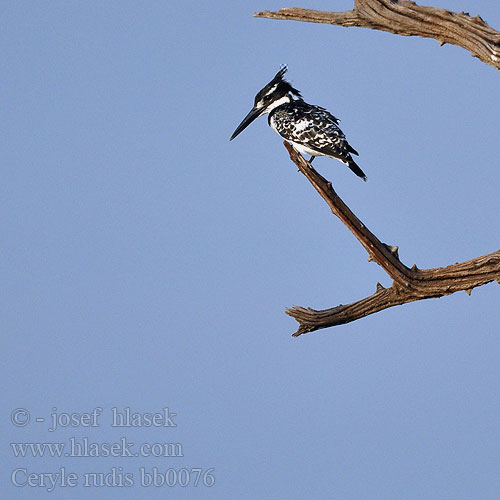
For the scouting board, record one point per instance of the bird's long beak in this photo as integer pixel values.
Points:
(254, 113)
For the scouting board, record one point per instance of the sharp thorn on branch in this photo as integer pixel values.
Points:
(393, 249)
(408, 285)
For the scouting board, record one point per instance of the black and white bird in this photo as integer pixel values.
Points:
(311, 129)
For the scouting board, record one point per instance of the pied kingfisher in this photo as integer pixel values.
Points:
(311, 129)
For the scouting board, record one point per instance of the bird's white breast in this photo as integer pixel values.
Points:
(302, 148)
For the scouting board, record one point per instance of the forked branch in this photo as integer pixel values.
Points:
(408, 285)
(409, 19)
(401, 17)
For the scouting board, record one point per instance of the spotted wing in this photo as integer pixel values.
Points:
(316, 128)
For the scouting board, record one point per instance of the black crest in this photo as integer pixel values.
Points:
(280, 85)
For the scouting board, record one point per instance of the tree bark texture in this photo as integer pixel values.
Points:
(406, 18)
(409, 19)
(409, 284)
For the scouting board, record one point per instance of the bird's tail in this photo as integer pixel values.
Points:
(355, 168)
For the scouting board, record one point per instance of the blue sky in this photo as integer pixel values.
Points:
(147, 261)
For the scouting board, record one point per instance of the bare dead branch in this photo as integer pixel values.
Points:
(409, 19)
(408, 285)
(401, 17)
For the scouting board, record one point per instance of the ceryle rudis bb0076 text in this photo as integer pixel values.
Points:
(311, 129)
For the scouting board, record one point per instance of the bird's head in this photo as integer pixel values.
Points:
(277, 92)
